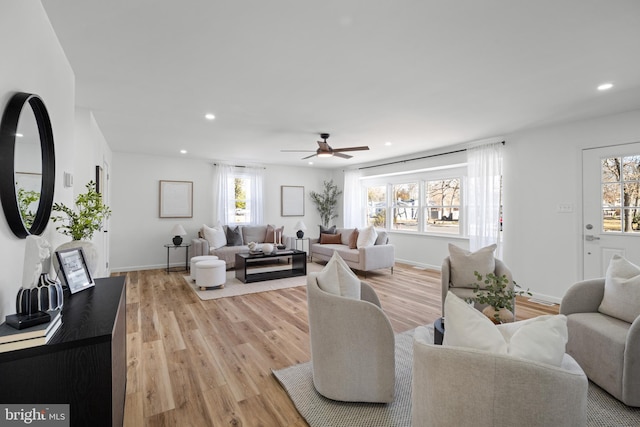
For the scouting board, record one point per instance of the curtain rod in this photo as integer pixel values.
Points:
(416, 158)
(240, 166)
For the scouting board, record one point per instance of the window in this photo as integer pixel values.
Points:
(405, 206)
(377, 206)
(442, 210)
(241, 193)
(621, 194)
(428, 203)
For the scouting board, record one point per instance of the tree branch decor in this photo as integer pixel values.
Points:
(88, 218)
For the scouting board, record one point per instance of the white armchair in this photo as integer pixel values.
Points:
(455, 386)
(352, 345)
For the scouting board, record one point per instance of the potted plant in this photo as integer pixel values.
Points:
(497, 295)
(82, 222)
(326, 202)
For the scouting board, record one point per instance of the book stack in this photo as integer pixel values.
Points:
(12, 338)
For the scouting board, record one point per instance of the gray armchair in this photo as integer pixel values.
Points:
(467, 292)
(608, 349)
(455, 386)
(352, 345)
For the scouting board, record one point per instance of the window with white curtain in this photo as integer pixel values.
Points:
(238, 195)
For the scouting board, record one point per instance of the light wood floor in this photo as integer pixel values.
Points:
(208, 363)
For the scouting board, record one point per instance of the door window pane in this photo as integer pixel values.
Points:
(621, 188)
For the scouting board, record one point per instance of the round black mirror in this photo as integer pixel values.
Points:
(20, 192)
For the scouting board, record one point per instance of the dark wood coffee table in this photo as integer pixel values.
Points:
(256, 267)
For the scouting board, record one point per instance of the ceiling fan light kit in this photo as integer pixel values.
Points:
(325, 150)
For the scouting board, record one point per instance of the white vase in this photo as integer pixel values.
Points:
(267, 248)
(90, 254)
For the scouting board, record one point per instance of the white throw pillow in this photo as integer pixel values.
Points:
(366, 237)
(542, 339)
(215, 236)
(467, 327)
(464, 263)
(338, 279)
(621, 290)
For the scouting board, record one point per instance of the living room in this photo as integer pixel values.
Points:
(542, 243)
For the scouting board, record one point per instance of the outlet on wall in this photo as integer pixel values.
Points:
(565, 208)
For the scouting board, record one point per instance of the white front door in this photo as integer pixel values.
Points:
(611, 206)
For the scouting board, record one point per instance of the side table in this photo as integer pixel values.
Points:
(438, 331)
(186, 261)
(301, 240)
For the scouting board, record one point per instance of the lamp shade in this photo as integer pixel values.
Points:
(178, 230)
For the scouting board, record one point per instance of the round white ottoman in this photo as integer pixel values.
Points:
(197, 259)
(211, 274)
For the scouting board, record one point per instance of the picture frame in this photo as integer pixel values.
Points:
(176, 199)
(292, 200)
(73, 268)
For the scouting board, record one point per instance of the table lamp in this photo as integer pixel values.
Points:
(178, 232)
(300, 227)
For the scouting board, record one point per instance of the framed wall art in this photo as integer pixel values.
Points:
(176, 199)
(292, 200)
(73, 268)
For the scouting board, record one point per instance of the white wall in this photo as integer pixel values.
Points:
(542, 247)
(33, 62)
(138, 233)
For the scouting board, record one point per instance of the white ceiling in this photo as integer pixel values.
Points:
(421, 74)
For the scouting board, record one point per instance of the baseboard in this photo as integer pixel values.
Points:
(419, 265)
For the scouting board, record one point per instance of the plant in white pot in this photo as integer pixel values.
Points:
(82, 222)
(497, 295)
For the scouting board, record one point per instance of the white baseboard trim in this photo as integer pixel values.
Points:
(144, 267)
(420, 265)
(544, 299)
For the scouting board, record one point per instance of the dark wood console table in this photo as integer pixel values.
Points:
(84, 365)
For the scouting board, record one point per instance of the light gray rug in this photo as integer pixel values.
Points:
(318, 411)
(233, 287)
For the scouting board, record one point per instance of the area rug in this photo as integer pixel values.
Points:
(233, 287)
(318, 411)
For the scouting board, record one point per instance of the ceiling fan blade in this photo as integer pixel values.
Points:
(361, 148)
(308, 157)
(344, 156)
(324, 146)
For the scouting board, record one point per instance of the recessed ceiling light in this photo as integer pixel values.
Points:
(605, 86)
(209, 116)
(388, 143)
(310, 163)
(183, 151)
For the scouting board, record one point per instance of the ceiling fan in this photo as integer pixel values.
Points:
(325, 150)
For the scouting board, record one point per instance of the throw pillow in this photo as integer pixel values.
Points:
(467, 327)
(328, 230)
(383, 238)
(542, 339)
(353, 239)
(621, 290)
(464, 263)
(215, 236)
(326, 239)
(234, 236)
(337, 278)
(366, 237)
(271, 229)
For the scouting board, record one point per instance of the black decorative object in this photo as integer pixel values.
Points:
(300, 234)
(46, 296)
(8, 192)
(177, 240)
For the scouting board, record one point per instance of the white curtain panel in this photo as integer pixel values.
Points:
(222, 193)
(352, 205)
(484, 168)
(256, 204)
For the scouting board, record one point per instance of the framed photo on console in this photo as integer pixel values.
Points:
(73, 268)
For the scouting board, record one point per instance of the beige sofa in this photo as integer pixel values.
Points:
(380, 255)
(250, 233)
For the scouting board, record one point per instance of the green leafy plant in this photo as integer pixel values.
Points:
(87, 217)
(25, 199)
(496, 293)
(326, 202)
